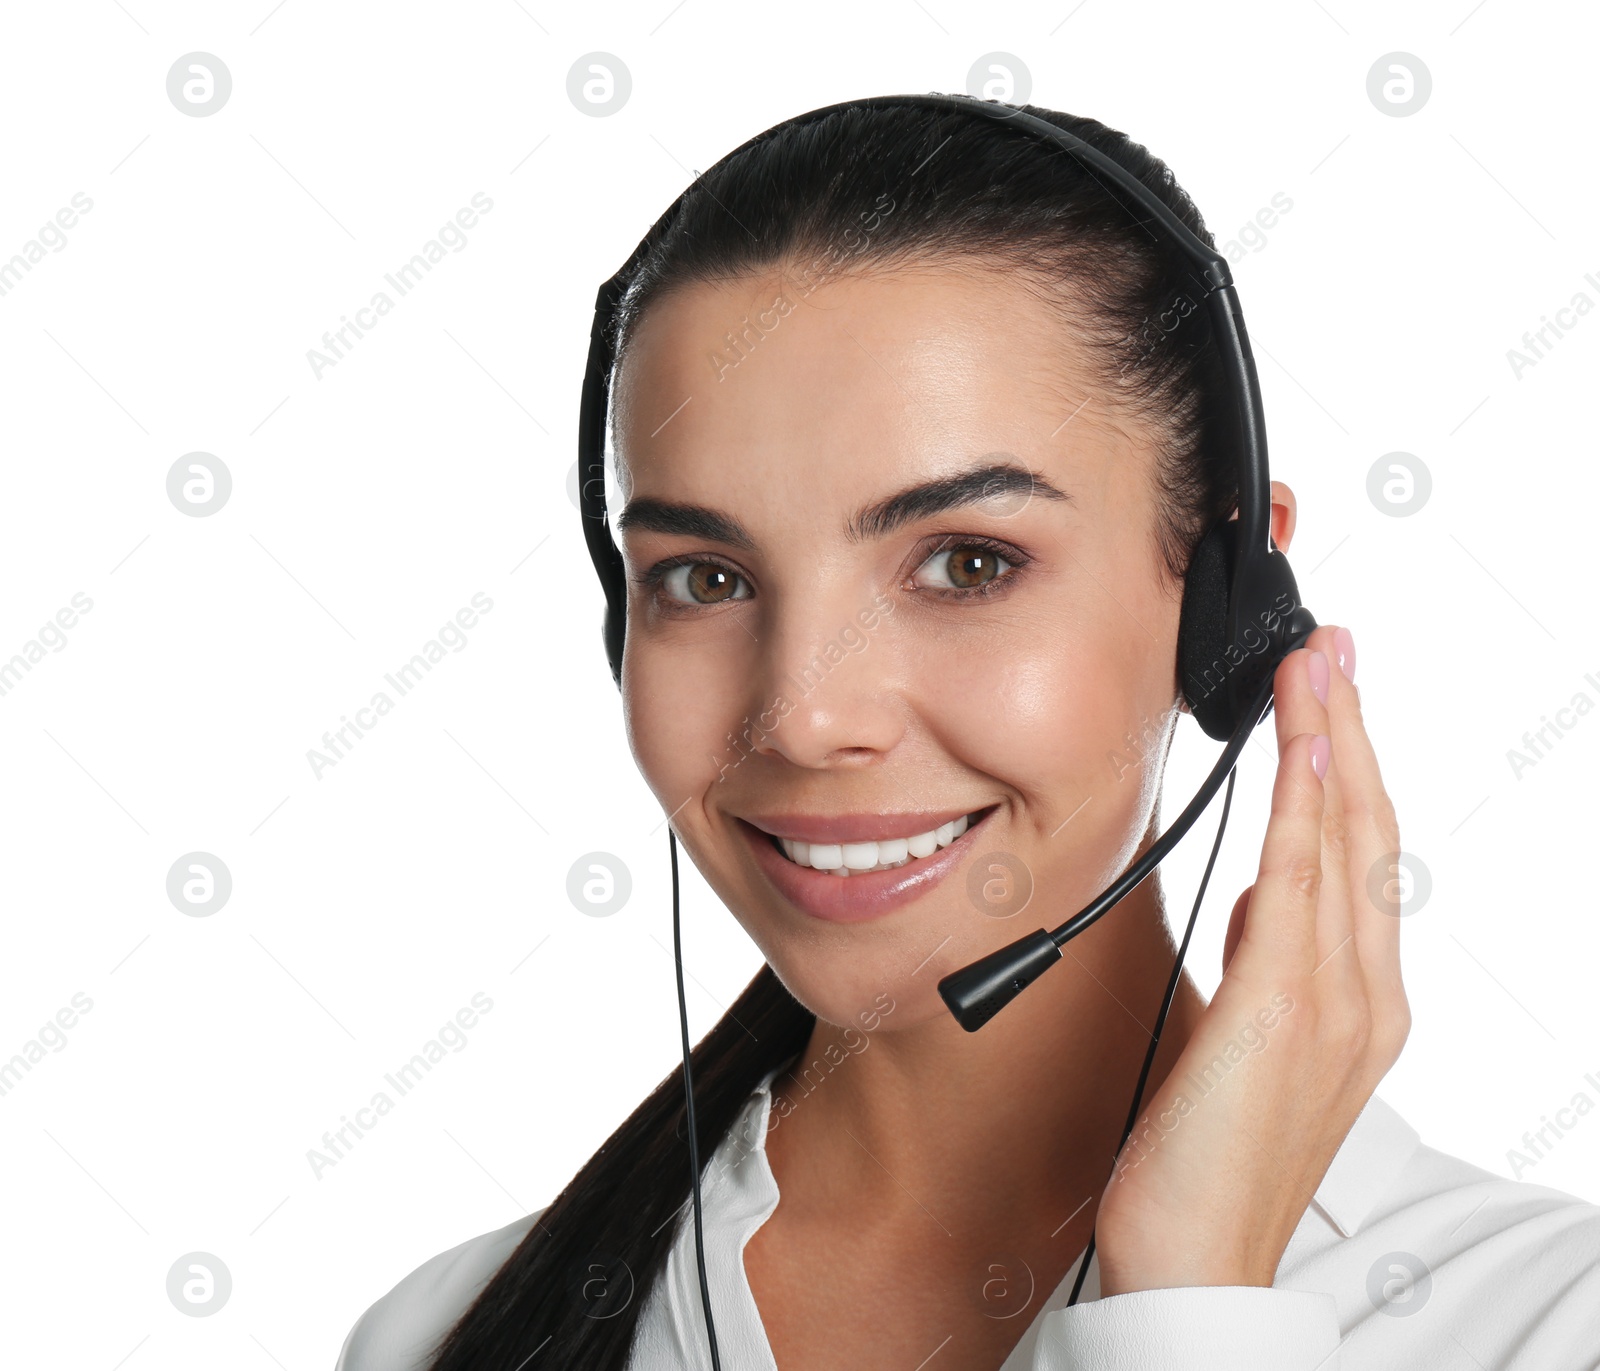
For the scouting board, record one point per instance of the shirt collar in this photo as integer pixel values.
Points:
(1378, 1145)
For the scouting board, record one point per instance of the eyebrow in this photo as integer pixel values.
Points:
(878, 520)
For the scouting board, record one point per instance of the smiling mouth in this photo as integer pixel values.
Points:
(858, 859)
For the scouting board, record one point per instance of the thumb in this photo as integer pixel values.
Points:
(1235, 926)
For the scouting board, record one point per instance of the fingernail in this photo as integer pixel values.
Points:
(1344, 647)
(1317, 667)
(1321, 750)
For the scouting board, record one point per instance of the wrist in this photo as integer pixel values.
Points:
(1123, 1272)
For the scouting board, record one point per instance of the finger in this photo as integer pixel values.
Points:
(1300, 709)
(1279, 942)
(1374, 835)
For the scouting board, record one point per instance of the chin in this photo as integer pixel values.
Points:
(856, 974)
(862, 997)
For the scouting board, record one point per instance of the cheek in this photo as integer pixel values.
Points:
(1037, 711)
(678, 712)
(1071, 718)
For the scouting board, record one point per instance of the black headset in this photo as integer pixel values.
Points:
(1241, 613)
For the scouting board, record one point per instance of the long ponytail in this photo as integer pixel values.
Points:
(575, 1285)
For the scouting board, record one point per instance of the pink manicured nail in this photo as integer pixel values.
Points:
(1345, 647)
(1321, 751)
(1317, 667)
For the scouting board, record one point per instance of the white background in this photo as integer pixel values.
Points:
(432, 462)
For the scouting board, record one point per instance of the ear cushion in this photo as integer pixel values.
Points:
(1202, 628)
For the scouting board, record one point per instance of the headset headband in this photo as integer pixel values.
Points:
(1253, 573)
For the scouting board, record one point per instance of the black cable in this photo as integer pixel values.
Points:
(1161, 1018)
(688, 1096)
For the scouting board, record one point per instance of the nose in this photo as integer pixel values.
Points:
(826, 683)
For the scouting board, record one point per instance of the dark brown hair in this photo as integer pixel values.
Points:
(863, 188)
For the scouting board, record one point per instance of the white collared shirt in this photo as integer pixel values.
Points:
(1407, 1260)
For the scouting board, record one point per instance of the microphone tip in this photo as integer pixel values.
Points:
(976, 993)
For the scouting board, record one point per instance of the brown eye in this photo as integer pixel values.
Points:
(704, 583)
(972, 568)
(963, 568)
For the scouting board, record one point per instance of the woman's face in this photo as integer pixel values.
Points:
(823, 657)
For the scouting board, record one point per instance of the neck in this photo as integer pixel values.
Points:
(988, 1133)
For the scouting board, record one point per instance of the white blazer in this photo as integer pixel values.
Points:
(1406, 1260)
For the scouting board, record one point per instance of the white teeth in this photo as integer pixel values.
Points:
(850, 859)
(826, 856)
(860, 856)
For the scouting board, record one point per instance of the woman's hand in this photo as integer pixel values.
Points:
(1308, 1018)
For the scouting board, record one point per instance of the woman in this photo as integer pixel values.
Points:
(916, 438)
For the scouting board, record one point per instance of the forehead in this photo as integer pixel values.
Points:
(759, 387)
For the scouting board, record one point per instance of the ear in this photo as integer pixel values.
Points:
(1283, 512)
(1281, 526)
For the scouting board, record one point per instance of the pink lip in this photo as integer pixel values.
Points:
(855, 899)
(854, 828)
